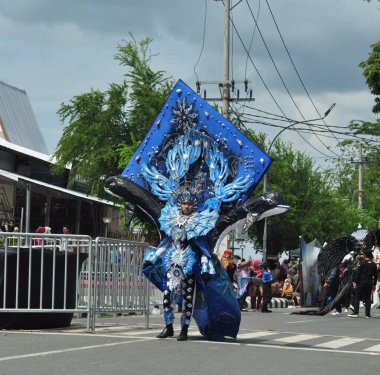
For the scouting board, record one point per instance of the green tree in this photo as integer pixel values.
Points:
(371, 72)
(102, 129)
(317, 210)
(97, 122)
(346, 177)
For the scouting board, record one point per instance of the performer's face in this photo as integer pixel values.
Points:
(187, 207)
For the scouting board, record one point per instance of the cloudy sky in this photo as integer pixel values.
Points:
(56, 50)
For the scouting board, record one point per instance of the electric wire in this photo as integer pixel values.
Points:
(291, 59)
(203, 41)
(267, 88)
(279, 74)
(251, 42)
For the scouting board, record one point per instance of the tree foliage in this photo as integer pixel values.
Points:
(317, 209)
(103, 128)
(371, 72)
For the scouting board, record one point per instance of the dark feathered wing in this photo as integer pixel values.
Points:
(136, 199)
(332, 254)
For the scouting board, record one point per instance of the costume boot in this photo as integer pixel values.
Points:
(166, 332)
(183, 334)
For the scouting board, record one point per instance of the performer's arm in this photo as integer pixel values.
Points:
(156, 256)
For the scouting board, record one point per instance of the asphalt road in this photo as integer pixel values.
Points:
(279, 343)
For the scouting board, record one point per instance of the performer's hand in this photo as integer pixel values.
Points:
(205, 276)
(354, 285)
(147, 264)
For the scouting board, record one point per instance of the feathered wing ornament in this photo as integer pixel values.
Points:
(137, 200)
(332, 254)
(255, 209)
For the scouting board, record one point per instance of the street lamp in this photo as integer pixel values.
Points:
(265, 182)
(106, 220)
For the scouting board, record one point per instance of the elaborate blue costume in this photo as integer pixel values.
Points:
(192, 155)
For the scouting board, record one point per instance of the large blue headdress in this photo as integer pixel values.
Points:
(191, 140)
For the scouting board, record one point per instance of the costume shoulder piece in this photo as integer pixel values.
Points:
(194, 225)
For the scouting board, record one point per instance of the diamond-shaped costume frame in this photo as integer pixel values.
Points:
(185, 110)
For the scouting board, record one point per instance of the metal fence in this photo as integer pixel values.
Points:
(69, 274)
(118, 285)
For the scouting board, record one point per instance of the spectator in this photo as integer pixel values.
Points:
(288, 292)
(226, 258)
(230, 266)
(38, 241)
(285, 265)
(343, 278)
(255, 285)
(365, 280)
(66, 241)
(243, 271)
(332, 287)
(66, 229)
(293, 271)
(266, 280)
(11, 226)
(3, 225)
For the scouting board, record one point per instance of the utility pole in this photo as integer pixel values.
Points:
(360, 173)
(227, 85)
(226, 60)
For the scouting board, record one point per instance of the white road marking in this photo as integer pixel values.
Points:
(88, 347)
(252, 335)
(340, 343)
(296, 338)
(301, 321)
(375, 348)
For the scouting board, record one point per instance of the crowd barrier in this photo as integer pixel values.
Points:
(45, 279)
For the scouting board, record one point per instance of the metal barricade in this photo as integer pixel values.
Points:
(118, 284)
(39, 275)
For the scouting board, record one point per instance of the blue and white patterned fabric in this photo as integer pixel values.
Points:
(192, 153)
(192, 130)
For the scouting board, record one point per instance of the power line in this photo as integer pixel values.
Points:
(253, 36)
(267, 88)
(280, 76)
(203, 40)
(291, 60)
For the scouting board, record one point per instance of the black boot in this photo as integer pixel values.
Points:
(166, 332)
(183, 334)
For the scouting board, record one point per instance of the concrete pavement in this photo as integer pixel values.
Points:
(277, 343)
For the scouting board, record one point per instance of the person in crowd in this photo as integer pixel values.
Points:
(11, 226)
(285, 265)
(243, 272)
(266, 280)
(288, 292)
(66, 229)
(39, 241)
(364, 283)
(293, 271)
(332, 287)
(343, 277)
(225, 260)
(65, 242)
(3, 225)
(281, 273)
(255, 291)
(229, 265)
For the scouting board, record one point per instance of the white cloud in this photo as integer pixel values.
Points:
(56, 50)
